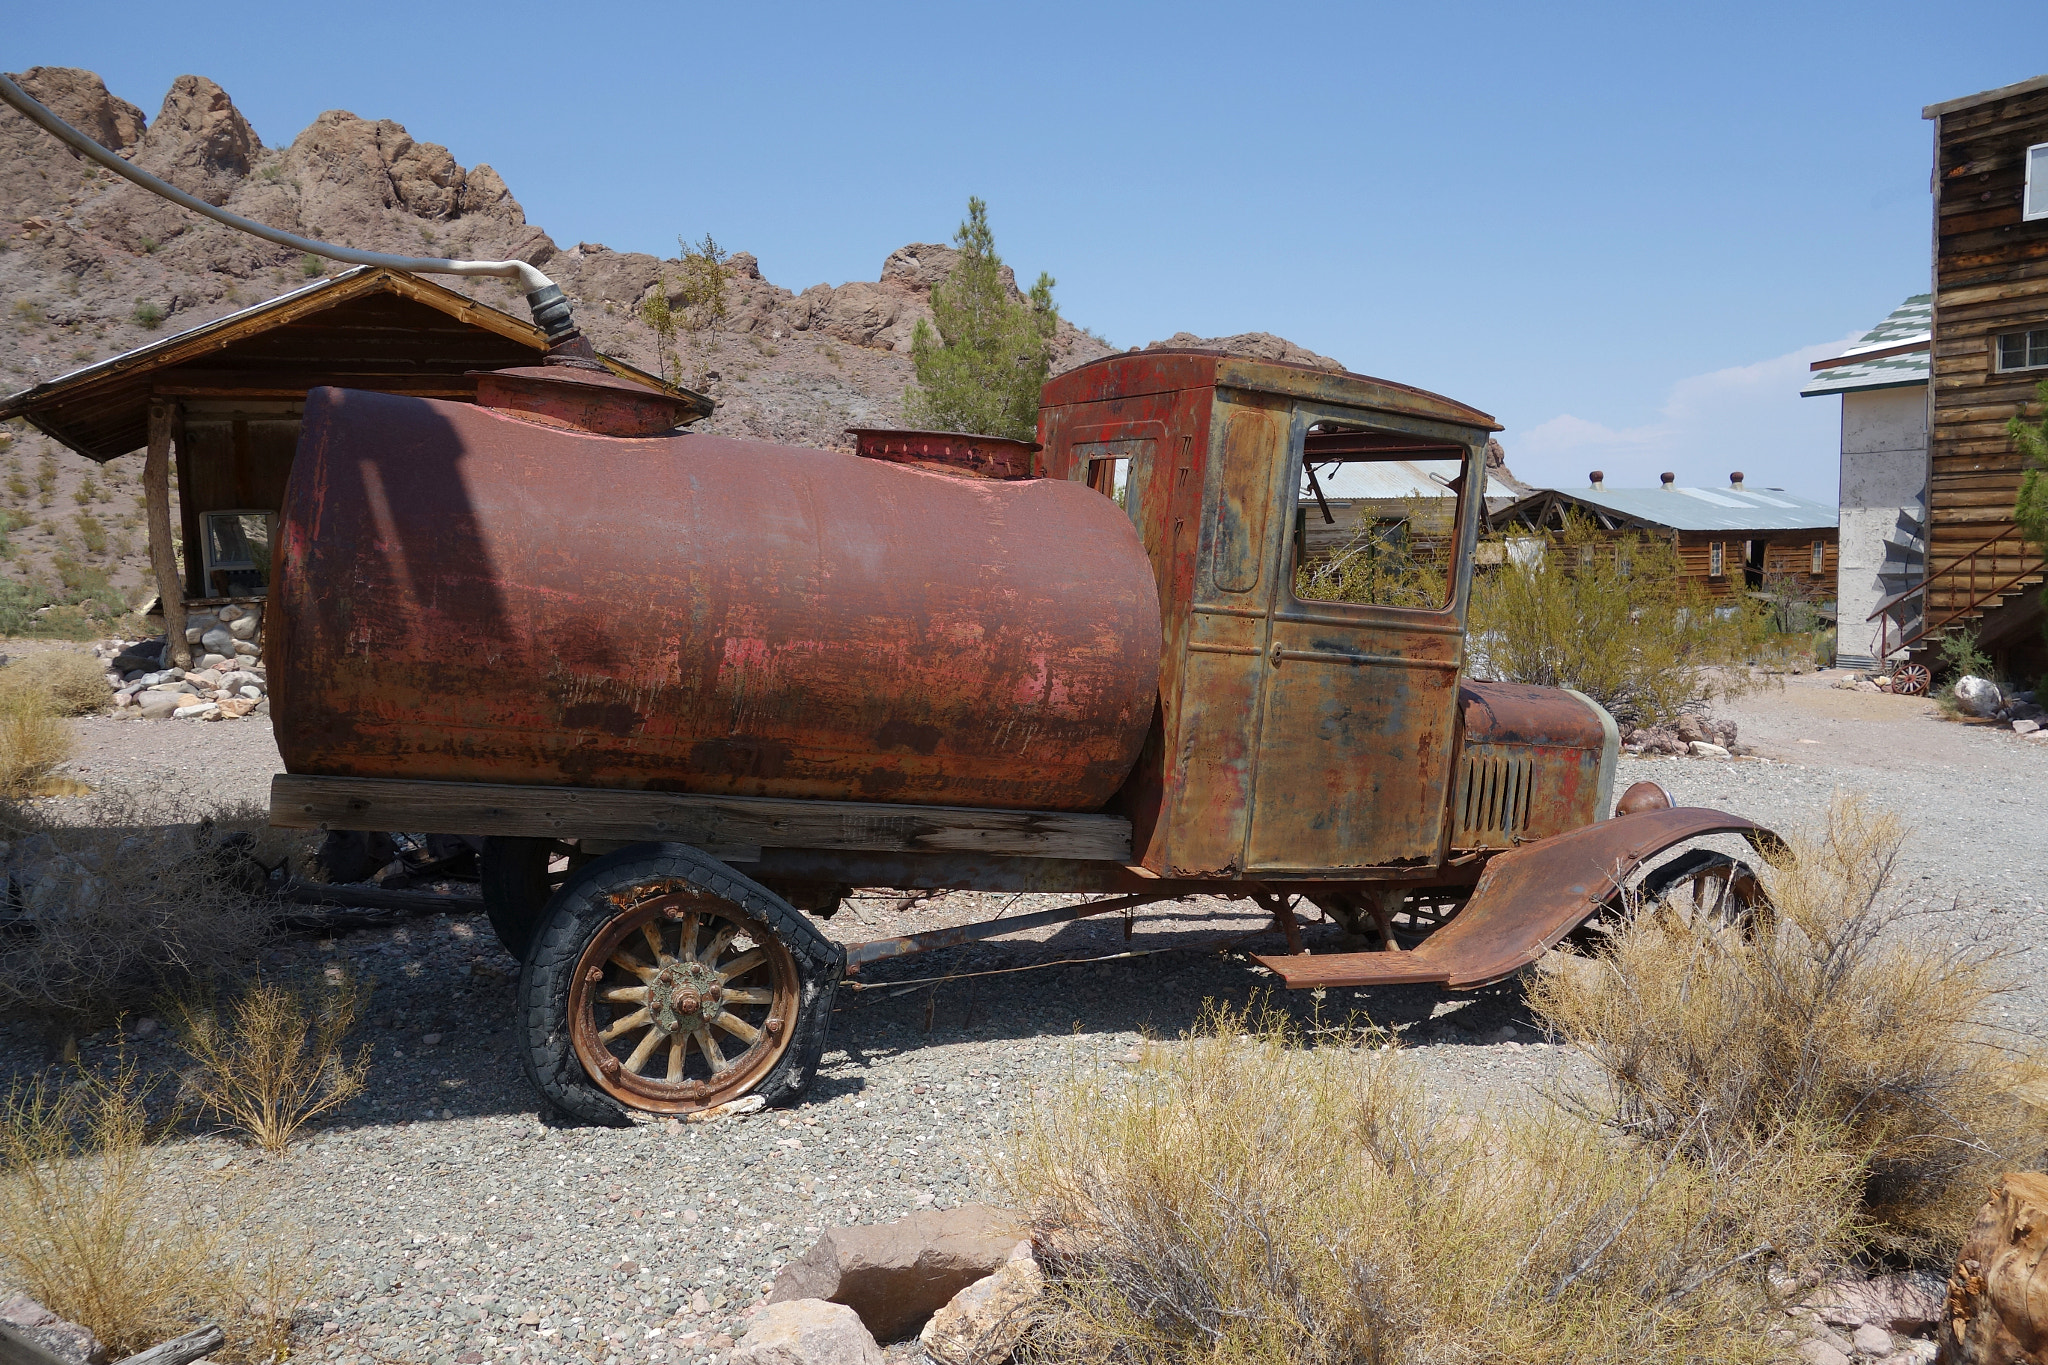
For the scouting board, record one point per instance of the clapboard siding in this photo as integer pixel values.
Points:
(1990, 277)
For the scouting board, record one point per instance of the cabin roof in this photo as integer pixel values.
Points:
(2025, 87)
(369, 327)
(1733, 510)
(1892, 355)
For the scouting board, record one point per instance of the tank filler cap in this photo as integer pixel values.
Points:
(577, 393)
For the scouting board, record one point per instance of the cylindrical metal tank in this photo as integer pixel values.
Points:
(462, 595)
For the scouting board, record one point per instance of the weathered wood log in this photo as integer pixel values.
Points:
(1997, 1309)
(163, 559)
(180, 1350)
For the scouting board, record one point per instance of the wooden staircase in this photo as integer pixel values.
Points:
(1989, 587)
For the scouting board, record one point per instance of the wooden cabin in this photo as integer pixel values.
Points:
(223, 401)
(1733, 539)
(1990, 331)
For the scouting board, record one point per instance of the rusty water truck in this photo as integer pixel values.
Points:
(691, 690)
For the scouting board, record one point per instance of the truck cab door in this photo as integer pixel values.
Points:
(1357, 730)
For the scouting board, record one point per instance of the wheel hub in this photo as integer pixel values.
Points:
(685, 996)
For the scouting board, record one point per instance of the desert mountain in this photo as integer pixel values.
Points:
(91, 266)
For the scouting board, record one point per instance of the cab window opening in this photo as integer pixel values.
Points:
(1376, 519)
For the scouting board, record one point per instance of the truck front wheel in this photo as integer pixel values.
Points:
(663, 981)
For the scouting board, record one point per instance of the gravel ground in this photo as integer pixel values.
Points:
(458, 1226)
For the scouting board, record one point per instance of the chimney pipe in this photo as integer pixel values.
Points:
(1735, 479)
(1668, 478)
(1595, 477)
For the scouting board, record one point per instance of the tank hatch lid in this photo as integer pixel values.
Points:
(579, 394)
(949, 452)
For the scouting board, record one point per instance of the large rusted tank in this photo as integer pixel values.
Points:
(465, 595)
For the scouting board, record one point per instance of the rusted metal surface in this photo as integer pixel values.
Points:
(464, 596)
(950, 452)
(1296, 740)
(1642, 796)
(1537, 761)
(584, 396)
(1526, 901)
(881, 949)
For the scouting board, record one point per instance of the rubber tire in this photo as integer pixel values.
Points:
(513, 872)
(582, 907)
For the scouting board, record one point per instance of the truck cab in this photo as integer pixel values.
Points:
(1311, 535)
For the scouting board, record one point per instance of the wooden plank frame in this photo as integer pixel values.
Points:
(712, 823)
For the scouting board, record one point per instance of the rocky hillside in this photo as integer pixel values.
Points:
(91, 266)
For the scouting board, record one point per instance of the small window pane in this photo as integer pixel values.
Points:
(1714, 559)
(2037, 347)
(1820, 557)
(2012, 350)
(2036, 205)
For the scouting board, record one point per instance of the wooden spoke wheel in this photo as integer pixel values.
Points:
(681, 1002)
(1911, 680)
(1701, 886)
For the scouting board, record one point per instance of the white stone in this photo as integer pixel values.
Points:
(1977, 696)
(231, 612)
(243, 627)
(218, 641)
(213, 661)
(806, 1332)
(253, 693)
(245, 649)
(2025, 727)
(124, 699)
(987, 1319)
(197, 711)
(1702, 749)
(1817, 1352)
(1872, 1340)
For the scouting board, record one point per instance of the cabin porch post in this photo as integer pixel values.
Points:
(156, 492)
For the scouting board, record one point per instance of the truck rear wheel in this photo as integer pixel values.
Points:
(662, 981)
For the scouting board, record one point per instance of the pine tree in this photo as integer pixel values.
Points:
(982, 369)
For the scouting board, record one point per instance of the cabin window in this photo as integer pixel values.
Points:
(2023, 350)
(2036, 205)
(1377, 526)
(1714, 551)
(238, 553)
(1820, 557)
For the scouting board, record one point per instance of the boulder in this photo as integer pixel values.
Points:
(806, 1332)
(2025, 727)
(984, 1322)
(895, 1275)
(1692, 732)
(1996, 1312)
(66, 1340)
(1702, 749)
(218, 641)
(1977, 696)
(243, 628)
(160, 705)
(1907, 1303)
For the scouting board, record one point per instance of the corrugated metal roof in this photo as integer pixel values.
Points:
(1379, 479)
(1909, 324)
(1712, 509)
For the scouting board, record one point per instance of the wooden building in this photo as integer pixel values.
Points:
(1733, 539)
(1990, 330)
(223, 400)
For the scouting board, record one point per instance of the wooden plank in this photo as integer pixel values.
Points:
(163, 560)
(180, 1350)
(305, 802)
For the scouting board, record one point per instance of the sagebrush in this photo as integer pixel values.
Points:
(119, 906)
(1846, 1012)
(272, 1056)
(1249, 1197)
(34, 743)
(94, 1227)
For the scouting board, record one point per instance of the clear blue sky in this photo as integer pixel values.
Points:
(1621, 228)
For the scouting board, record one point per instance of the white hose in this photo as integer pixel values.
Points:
(29, 107)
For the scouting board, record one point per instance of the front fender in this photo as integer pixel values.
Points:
(1526, 900)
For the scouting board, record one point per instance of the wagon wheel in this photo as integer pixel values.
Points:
(519, 877)
(1911, 680)
(661, 980)
(681, 1002)
(1701, 886)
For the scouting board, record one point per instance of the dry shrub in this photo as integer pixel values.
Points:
(94, 1227)
(1850, 1014)
(33, 743)
(1243, 1197)
(110, 911)
(272, 1059)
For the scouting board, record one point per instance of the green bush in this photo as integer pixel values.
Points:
(149, 316)
(982, 370)
(1613, 617)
